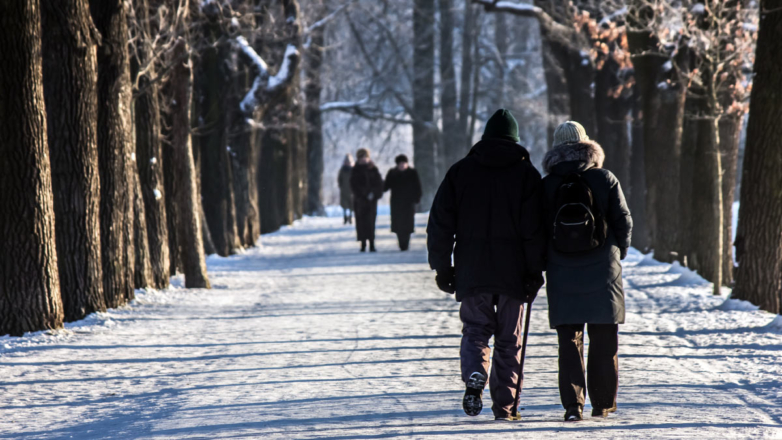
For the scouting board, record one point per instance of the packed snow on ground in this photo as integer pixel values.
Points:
(304, 337)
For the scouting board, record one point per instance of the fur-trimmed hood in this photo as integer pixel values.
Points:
(587, 152)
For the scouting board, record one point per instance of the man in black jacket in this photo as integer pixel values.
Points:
(488, 213)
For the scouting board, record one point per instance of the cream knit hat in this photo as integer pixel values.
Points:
(569, 132)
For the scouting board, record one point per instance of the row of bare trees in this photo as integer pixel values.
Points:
(138, 137)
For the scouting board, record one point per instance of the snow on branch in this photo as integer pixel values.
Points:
(264, 83)
(360, 109)
(548, 25)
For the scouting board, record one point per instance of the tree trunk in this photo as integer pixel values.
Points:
(143, 261)
(705, 228)
(30, 286)
(312, 115)
(114, 151)
(216, 173)
(613, 113)
(190, 244)
(758, 241)
(663, 114)
(451, 147)
(641, 239)
(70, 86)
(269, 168)
(423, 98)
(465, 86)
(730, 137)
(209, 247)
(149, 157)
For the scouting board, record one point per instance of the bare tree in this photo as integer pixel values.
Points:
(114, 151)
(30, 286)
(70, 89)
(758, 243)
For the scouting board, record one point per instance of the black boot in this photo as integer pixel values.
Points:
(472, 403)
(603, 412)
(363, 245)
(574, 414)
(372, 246)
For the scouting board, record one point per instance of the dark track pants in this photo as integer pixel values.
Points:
(483, 316)
(602, 366)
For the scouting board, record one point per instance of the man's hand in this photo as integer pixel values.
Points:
(622, 253)
(446, 280)
(532, 284)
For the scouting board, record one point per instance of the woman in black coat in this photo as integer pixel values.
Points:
(405, 187)
(585, 288)
(367, 186)
(345, 195)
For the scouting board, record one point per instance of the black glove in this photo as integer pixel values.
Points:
(532, 284)
(622, 253)
(446, 280)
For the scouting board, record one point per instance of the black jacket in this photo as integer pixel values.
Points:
(490, 207)
(367, 187)
(405, 187)
(586, 288)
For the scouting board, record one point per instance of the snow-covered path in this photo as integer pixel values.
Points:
(307, 338)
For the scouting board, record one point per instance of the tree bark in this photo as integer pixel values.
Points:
(150, 162)
(759, 237)
(114, 151)
(30, 286)
(641, 239)
(423, 98)
(189, 235)
(70, 85)
(663, 114)
(613, 113)
(217, 188)
(465, 86)
(312, 115)
(451, 146)
(142, 273)
(730, 137)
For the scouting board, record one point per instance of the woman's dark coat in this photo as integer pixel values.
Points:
(405, 189)
(490, 207)
(345, 194)
(367, 186)
(587, 287)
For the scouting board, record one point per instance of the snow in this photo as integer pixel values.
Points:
(698, 9)
(152, 160)
(667, 66)
(250, 100)
(275, 81)
(158, 194)
(304, 337)
(521, 7)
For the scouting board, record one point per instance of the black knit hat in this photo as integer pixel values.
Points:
(401, 158)
(502, 125)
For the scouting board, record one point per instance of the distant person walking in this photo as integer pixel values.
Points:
(345, 194)
(367, 187)
(490, 207)
(590, 233)
(405, 187)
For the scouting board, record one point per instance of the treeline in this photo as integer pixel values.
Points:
(138, 137)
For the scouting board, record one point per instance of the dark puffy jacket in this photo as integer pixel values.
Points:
(405, 187)
(587, 287)
(490, 207)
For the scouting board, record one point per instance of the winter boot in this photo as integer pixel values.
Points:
(509, 418)
(603, 412)
(363, 246)
(574, 414)
(372, 246)
(472, 403)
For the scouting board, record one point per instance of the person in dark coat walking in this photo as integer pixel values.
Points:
(367, 187)
(585, 288)
(490, 207)
(345, 194)
(405, 187)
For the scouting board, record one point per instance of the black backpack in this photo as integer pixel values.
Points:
(579, 224)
